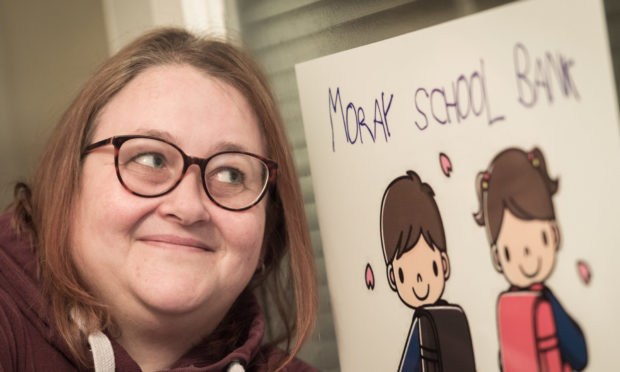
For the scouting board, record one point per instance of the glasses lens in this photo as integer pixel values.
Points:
(236, 180)
(149, 167)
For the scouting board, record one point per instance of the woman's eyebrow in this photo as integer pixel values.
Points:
(156, 133)
(219, 147)
(229, 146)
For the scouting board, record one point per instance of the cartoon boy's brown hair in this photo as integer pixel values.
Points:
(408, 211)
(518, 181)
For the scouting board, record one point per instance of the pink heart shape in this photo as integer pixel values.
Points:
(446, 164)
(370, 277)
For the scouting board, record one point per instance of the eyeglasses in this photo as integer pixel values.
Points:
(150, 167)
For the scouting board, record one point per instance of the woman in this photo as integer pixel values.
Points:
(166, 195)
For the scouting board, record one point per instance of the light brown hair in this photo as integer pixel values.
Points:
(518, 181)
(46, 210)
(409, 211)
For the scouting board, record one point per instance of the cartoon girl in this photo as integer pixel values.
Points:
(516, 208)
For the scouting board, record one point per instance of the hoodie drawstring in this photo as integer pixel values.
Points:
(103, 354)
(235, 366)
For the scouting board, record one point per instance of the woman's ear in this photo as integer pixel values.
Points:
(445, 263)
(557, 238)
(391, 277)
(260, 266)
(495, 259)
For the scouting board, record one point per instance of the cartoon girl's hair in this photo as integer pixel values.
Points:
(518, 181)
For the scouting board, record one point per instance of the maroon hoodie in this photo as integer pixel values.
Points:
(29, 341)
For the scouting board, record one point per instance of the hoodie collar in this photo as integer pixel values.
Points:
(193, 360)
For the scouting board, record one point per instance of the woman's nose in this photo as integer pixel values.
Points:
(188, 203)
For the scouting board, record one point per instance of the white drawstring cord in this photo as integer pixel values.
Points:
(100, 346)
(235, 366)
(103, 354)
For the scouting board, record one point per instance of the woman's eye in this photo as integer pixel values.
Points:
(230, 175)
(153, 160)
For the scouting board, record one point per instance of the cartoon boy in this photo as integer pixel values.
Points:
(516, 208)
(414, 248)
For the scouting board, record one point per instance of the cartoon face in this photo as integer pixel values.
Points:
(525, 251)
(419, 275)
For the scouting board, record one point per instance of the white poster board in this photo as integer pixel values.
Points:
(525, 75)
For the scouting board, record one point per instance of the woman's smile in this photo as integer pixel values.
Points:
(174, 241)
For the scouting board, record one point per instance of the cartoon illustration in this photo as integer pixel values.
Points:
(416, 258)
(516, 208)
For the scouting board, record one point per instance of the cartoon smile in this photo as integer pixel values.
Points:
(425, 295)
(533, 274)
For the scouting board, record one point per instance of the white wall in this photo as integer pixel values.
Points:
(126, 20)
(47, 50)
(7, 151)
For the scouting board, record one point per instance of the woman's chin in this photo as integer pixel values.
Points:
(170, 304)
(173, 296)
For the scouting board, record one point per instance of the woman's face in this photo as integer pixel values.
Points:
(178, 253)
(526, 250)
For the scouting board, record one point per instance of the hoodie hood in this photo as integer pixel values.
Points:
(20, 280)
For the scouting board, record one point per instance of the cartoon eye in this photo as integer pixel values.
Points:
(435, 270)
(506, 253)
(544, 238)
(401, 276)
